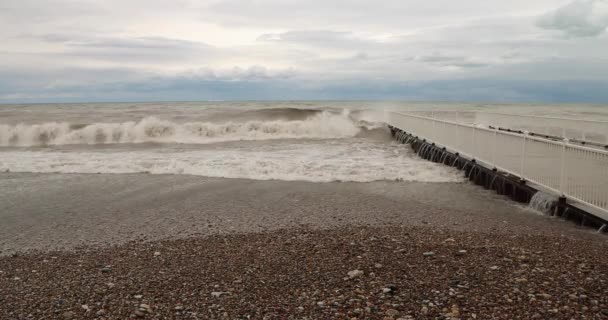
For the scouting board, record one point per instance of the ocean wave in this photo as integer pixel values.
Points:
(315, 161)
(286, 113)
(317, 125)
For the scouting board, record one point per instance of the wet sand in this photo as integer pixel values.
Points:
(64, 211)
(180, 247)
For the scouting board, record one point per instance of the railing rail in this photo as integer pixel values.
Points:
(592, 131)
(576, 172)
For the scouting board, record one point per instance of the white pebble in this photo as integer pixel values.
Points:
(355, 273)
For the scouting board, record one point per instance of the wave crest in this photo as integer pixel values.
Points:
(324, 125)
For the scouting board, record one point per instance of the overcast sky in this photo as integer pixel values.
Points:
(491, 50)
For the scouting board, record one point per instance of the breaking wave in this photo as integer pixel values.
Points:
(316, 161)
(316, 125)
(288, 114)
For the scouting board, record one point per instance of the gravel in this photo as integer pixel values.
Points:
(305, 273)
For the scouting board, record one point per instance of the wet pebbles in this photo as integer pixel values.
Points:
(345, 273)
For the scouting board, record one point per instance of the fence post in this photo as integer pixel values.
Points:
(523, 156)
(494, 148)
(434, 127)
(562, 173)
(473, 143)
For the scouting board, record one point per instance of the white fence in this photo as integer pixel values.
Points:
(580, 129)
(595, 131)
(579, 173)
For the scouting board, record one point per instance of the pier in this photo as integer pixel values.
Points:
(518, 163)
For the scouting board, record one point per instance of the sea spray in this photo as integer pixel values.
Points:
(543, 202)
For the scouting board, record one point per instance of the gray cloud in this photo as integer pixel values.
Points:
(581, 18)
(450, 61)
(367, 15)
(121, 43)
(322, 38)
(205, 87)
(206, 49)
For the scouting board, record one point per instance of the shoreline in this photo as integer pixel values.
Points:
(55, 211)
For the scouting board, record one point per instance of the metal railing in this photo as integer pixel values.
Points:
(579, 129)
(576, 172)
(594, 131)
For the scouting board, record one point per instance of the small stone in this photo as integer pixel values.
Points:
(355, 273)
(428, 254)
(424, 310)
(100, 312)
(494, 268)
(461, 252)
(85, 307)
(544, 296)
(68, 315)
(455, 311)
(178, 308)
(139, 313)
(377, 266)
(156, 253)
(106, 269)
(217, 294)
(449, 240)
(392, 312)
(145, 308)
(321, 304)
(138, 296)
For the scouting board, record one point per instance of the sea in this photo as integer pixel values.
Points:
(317, 141)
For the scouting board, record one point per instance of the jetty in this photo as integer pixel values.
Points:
(524, 157)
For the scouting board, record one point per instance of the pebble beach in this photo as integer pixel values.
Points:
(345, 273)
(335, 251)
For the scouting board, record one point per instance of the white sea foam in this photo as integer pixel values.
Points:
(276, 144)
(543, 202)
(320, 161)
(324, 125)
